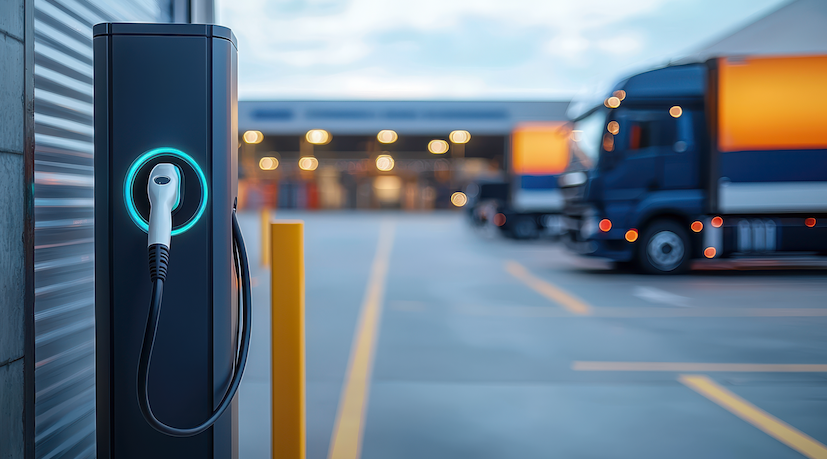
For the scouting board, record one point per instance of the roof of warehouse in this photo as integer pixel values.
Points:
(405, 117)
(797, 28)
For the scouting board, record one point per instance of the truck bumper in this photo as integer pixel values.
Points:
(579, 238)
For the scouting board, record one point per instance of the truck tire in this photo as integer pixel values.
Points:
(664, 248)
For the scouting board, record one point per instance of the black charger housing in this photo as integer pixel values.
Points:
(165, 93)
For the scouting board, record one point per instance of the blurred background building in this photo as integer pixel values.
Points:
(409, 155)
(375, 154)
(796, 28)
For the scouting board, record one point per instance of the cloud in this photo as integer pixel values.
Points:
(570, 47)
(458, 48)
(326, 32)
(625, 44)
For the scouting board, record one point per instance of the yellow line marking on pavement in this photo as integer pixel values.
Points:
(346, 442)
(759, 418)
(700, 367)
(655, 312)
(573, 304)
(641, 312)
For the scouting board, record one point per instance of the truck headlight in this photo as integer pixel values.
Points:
(572, 179)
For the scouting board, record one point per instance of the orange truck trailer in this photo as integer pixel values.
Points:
(529, 203)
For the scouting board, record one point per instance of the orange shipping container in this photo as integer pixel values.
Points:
(771, 103)
(540, 148)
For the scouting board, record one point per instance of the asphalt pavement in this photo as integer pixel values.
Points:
(429, 339)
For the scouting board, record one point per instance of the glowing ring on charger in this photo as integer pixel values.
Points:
(130, 180)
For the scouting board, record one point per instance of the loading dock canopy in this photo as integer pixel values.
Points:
(404, 117)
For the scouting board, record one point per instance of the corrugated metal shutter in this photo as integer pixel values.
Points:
(64, 252)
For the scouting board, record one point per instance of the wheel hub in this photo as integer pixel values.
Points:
(665, 250)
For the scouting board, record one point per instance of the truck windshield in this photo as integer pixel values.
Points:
(587, 135)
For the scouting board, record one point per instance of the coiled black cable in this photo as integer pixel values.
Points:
(159, 256)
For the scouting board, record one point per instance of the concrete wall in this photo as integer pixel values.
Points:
(16, 153)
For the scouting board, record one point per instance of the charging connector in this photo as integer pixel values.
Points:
(163, 197)
(164, 193)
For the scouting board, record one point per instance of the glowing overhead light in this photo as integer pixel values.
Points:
(810, 222)
(605, 225)
(613, 127)
(676, 111)
(631, 235)
(308, 163)
(438, 147)
(253, 137)
(710, 252)
(697, 226)
(268, 163)
(387, 136)
(460, 136)
(612, 102)
(318, 136)
(620, 94)
(459, 199)
(384, 163)
(717, 222)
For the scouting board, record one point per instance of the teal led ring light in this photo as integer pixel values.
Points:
(139, 220)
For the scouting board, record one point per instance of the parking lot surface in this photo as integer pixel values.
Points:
(426, 338)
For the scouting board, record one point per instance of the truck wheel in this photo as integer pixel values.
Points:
(524, 228)
(664, 248)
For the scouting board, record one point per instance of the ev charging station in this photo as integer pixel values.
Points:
(166, 174)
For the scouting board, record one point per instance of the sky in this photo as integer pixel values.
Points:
(464, 49)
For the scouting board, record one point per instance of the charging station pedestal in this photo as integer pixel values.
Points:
(165, 93)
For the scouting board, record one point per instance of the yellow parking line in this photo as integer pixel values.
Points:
(348, 431)
(771, 425)
(573, 304)
(700, 367)
(656, 312)
(639, 313)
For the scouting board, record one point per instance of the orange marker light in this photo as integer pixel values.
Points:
(717, 222)
(608, 142)
(499, 219)
(810, 222)
(605, 225)
(631, 235)
(709, 252)
(697, 226)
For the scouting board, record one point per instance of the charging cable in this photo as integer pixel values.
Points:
(164, 192)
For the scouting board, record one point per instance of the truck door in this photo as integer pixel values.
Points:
(635, 162)
(680, 163)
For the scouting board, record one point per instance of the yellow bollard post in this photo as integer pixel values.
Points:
(287, 332)
(265, 236)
